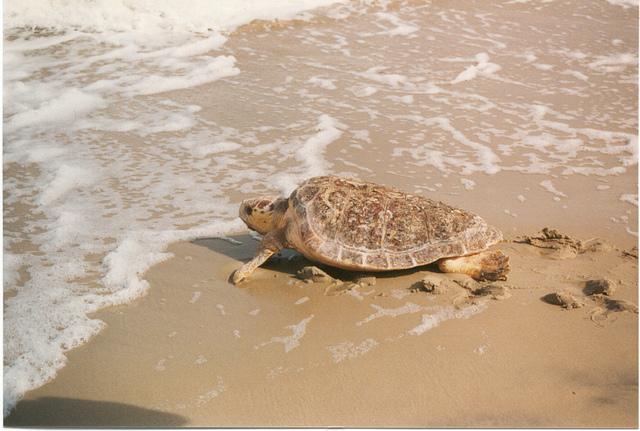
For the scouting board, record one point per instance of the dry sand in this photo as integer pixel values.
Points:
(197, 351)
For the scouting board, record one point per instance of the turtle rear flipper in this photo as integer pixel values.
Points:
(487, 265)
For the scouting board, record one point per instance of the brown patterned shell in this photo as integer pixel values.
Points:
(359, 225)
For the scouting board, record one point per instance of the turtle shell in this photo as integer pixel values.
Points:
(360, 225)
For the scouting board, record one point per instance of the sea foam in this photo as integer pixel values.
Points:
(430, 321)
(83, 75)
(292, 341)
(130, 125)
(145, 17)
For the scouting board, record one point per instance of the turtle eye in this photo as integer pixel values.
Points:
(248, 210)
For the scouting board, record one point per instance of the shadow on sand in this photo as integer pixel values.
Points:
(243, 247)
(68, 412)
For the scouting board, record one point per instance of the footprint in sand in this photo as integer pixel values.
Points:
(434, 284)
(559, 246)
(471, 293)
(563, 298)
(606, 306)
(632, 253)
(602, 286)
(599, 292)
(494, 291)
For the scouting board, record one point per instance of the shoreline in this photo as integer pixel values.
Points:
(120, 143)
(197, 351)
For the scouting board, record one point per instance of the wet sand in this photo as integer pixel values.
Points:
(197, 351)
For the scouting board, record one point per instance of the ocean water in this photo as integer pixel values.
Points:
(130, 125)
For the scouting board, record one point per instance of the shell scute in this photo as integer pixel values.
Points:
(307, 193)
(362, 221)
(401, 260)
(330, 248)
(405, 225)
(320, 213)
(351, 257)
(364, 225)
(377, 259)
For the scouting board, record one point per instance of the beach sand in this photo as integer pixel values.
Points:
(197, 351)
(545, 141)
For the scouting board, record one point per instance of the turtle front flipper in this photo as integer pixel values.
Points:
(272, 243)
(487, 265)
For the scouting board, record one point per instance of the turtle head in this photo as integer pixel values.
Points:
(263, 214)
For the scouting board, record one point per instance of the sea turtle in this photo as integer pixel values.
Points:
(364, 226)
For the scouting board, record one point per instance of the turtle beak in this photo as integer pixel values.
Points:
(246, 209)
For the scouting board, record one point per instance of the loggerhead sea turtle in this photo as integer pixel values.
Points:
(364, 226)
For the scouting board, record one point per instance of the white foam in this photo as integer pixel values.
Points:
(467, 183)
(630, 198)
(430, 321)
(578, 145)
(363, 90)
(406, 99)
(325, 83)
(40, 43)
(542, 66)
(75, 190)
(512, 214)
(66, 107)
(209, 395)
(195, 296)
(161, 365)
(548, 186)
(402, 28)
(481, 349)
(151, 17)
(189, 49)
(211, 70)
(624, 3)
(362, 135)
(407, 308)
(349, 350)
(547, 143)
(292, 341)
(311, 154)
(488, 161)
(124, 265)
(11, 264)
(302, 300)
(66, 179)
(218, 147)
(614, 62)
(576, 74)
(36, 342)
(43, 153)
(482, 68)
(115, 161)
(400, 293)
(375, 74)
